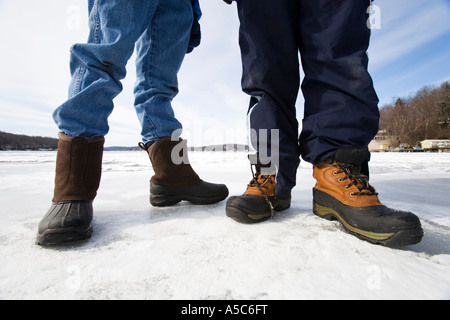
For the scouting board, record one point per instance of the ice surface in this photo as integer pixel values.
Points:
(195, 252)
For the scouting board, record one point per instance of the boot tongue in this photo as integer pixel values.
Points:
(261, 180)
(261, 185)
(350, 169)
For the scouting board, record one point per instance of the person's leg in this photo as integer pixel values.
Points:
(341, 118)
(160, 53)
(341, 105)
(269, 49)
(97, 68)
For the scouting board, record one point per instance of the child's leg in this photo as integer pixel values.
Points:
(341, 106)
(161, 51)
(269, 48)
(99, 65)
(97, 68)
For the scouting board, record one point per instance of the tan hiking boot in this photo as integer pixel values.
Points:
(342, 193)
(259, 202)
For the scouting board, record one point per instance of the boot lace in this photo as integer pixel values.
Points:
(262, 182)
(356, 179)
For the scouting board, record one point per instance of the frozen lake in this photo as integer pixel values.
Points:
(192, 252)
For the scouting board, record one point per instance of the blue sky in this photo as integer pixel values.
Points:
(410, 50)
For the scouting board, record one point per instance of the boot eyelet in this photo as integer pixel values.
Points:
(340, 180)
(346, 188)
(335, 173)
(352, 194)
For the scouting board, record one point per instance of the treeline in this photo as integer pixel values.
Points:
(425, 115)
(9, 141)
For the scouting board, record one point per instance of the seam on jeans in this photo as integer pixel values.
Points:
(79, 77)
(150, 55)
(96, 40)
(83, 67)
(97, 23)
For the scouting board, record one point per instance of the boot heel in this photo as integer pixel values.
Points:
(282, 203)
(164, 200)
(323, 212)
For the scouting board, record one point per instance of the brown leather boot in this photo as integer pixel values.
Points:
(78, 173)
(259, 202)
(175, 180)
(343, 193)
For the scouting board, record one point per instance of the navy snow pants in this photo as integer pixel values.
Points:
(341, 105)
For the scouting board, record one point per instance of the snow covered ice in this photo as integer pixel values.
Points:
(196, 252)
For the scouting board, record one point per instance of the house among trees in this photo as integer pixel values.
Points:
(381, 142)
(439, 145)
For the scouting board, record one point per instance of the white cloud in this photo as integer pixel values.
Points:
(407, 25)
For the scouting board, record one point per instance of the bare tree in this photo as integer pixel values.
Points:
(425, 115)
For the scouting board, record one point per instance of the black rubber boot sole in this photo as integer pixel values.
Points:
(377, 225)
(241, 216)
(249, 209)
(201, 194)
(66, 222)
(63, 236)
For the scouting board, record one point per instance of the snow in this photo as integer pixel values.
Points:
(193, 252)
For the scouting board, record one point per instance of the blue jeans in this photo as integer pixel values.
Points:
(160, 30)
